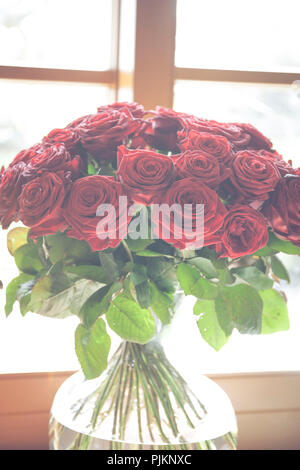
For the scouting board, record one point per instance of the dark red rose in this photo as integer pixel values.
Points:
(253, 175)
(135, 109)
(182, 230)
(160, 131)
(86, 197)
(41, 203)
(283, 209)
(102, 133)
(284, 168)
(68, 137)
(53, 159)
(194, 163)
(244, 232)
(144, 173)
(215, 145)
(27, 155)
(10, 189)
(252, 138)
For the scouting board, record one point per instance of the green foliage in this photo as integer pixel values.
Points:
(193, 284)
(16, 238)
(130, 321)
(92, 347)
(208, 324)
(161, 303)
(254, 277)
(12, 290)
(279, 269)
(27, 259)
(275, 313)
(239, 307)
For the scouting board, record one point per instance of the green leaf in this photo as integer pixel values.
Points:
(275, 313)
(161, 303)
(12, 289)
(27, 259)
(193, 284)
(163, 272)
(92, 347)
(205, 266)
(94, 273)
(239, 307)
(265, 251)
(48, 298)
(254, 277)
(279, 269)
(61, 246)
(130, 321)
(282, 245)
(208, 324)
(138, 274)
(110, 266)
(91, 309)
(139, 244)
(143, 294)
(16, 238)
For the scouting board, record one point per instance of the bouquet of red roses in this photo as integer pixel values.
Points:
(123, 207)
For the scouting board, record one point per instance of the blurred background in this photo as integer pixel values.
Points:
(230, 61)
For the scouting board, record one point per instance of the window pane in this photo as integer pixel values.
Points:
(274, 110)
(258, 34)
(29, 110)
(68, 34)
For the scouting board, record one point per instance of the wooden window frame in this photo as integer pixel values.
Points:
(267, 404)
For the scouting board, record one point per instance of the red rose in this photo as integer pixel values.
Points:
(54, 158)
(26, 155)
(253, 138)
(160, 132)
(194, 163)
(135, 109)
(68, 137)
(144, 173)
(85, 199)
(102, 133)
(215, 145)
(283, 209)
(253, 175)
(10, 188)
(244, 232)
(41, 203)
(192, 192)
(284, 168)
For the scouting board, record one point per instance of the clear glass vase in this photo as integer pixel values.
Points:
(141, 402)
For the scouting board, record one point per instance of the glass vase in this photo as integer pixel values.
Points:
(141, 402)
